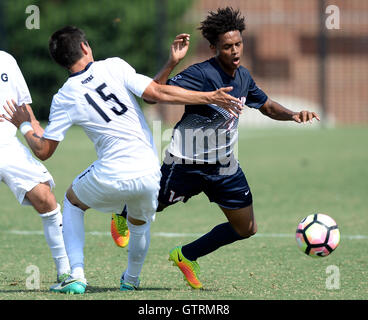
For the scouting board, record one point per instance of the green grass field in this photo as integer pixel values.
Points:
(292, 173)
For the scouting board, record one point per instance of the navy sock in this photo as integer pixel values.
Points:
(219, 236)
(124, 212)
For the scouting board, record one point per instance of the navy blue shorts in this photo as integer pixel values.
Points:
(179, 182)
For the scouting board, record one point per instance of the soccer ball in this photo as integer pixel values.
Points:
(317, 235)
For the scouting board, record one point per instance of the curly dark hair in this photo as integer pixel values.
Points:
(224, 20)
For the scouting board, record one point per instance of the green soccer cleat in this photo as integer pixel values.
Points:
(70, 286)
(119, 230)
(189, 268)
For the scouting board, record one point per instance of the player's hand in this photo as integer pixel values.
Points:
(16, 114)
(304, 116)
(228, 102)
(179, 48)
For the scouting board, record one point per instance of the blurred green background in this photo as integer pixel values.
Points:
(136, 30)
(290, 48)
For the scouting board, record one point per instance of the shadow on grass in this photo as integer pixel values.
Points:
(92, 289)
(24, 291)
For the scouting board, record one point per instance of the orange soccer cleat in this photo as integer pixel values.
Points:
(189, 268)
(119, 230)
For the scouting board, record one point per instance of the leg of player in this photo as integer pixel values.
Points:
(44, 202)
(241, 225)
(137, 250)
(242, 220)
(73, 230)
(141, 208)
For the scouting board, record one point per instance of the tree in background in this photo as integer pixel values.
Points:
(138, 31)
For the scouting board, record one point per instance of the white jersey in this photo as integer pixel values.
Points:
(18, 168)
(101, 100)
(12, 86)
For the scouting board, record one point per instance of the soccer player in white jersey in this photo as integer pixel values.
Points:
(26, 177)
(99, 97)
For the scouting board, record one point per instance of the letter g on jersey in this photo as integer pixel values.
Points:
(4, 77)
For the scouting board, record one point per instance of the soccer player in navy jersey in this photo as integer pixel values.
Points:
(200, 156)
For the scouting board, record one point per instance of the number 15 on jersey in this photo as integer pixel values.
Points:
(105, 98)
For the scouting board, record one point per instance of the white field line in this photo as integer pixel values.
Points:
(181, 235)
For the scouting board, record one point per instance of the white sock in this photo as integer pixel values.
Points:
(139, 242)
(52, 227)
(73, 231)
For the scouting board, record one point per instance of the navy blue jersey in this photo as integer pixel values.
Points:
(207, 132)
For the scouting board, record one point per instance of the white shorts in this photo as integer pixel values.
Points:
(109, 195)
(21, 171)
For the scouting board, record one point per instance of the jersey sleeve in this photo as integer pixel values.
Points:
(256, 98)
(59, 120)
(134, 82)
(191, 79)
(23, 95)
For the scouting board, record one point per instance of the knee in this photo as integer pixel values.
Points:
(248, 232)
(45, 203)
(253, 230)
(41, 198)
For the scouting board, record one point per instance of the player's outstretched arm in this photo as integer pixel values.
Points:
(34, 122)
(22, 119)
(276, 111)
(178, 50)
(176, 95)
